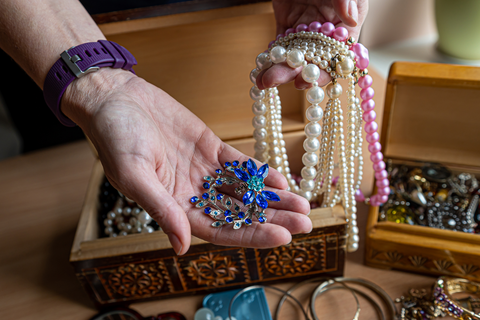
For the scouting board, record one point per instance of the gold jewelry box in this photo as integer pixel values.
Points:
(203, 60)
(431, 114)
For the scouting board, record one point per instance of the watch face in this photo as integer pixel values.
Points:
(436, 173)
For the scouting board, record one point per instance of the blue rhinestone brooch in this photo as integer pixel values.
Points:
(221, 208)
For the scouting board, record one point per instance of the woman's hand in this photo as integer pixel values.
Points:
(349, 14)
(156, 152)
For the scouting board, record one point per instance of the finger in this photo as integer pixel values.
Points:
(274, 179)
(257, 235)
(276, 75)
(347, 11)
(295, 223)
(139, 181)
(289, 201)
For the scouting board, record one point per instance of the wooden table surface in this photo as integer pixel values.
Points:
(41, 195)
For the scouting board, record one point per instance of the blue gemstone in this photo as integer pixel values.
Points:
(212, 198)
(248, 221)
(235, 163)
(218, 182)
(248, 197)
(212, 191)
(263, 171)
(218, 171)
(229, 219)
(227, 213)
(244, 164)
(261, 219)
(269, 195)
(219, 196)
(205, 195)
(261, 201)
(241, 214)
(207, 210)
(228, 164)
(252, 167)
(242, 175)
(193, 199)
(206, 185)
(229, 203)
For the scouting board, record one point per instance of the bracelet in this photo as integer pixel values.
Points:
(367, 284)
(316, 47)
(77, 62)
(445, 287)
(354, 292)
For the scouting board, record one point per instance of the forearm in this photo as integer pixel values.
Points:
(35, 32)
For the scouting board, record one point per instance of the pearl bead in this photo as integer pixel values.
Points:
(351, 54)
(310, 159)
(260, 134)
(295, 58)
(260, 146)
(263, 61)
(259, 122)
(277, 161)
(308, 173)
(355, 238)
(259, 108)
(315, 95)
(144, 217)
(307, 185)
(314, 113)
(352, 247)
(334, 90)
(256, 94)
(253, 75)
(354, 230)
(345, 67)
(278, 54)
(108, 222)
(311, 144)
(313, 129)
(311, 73)
(108, 230)
(323, 64)
(306, 194)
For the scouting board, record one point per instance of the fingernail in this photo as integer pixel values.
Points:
(175, 242)
(353, 11)
(309, 212)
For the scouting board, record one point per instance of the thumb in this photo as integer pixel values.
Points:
(347, 11)
(143, 186)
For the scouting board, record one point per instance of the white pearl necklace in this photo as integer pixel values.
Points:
(314, 51)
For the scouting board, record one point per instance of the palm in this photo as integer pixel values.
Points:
(156, 151)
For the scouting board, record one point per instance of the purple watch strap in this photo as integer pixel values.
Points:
(78, 61)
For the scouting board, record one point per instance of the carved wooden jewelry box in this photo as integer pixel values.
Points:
(140, 267)
(431, 114)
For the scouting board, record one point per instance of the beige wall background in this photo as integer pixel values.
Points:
(397, 20)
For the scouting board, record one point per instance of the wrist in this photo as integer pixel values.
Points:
(84, 96)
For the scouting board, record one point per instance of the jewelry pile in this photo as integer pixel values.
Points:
(322, 47)
(119, 216)
(431, 195)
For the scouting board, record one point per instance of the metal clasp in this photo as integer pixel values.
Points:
(71, 63)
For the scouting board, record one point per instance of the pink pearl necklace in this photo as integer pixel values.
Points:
(314, 47)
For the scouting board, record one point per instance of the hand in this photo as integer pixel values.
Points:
(349, 14)
(157, 152)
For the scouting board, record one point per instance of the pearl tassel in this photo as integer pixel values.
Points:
(327, 50)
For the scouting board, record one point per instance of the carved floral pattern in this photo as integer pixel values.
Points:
(418, 261)
(291, 259)
(136, 280)
(212, 270)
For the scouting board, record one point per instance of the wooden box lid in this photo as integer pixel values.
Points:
(432, 113)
